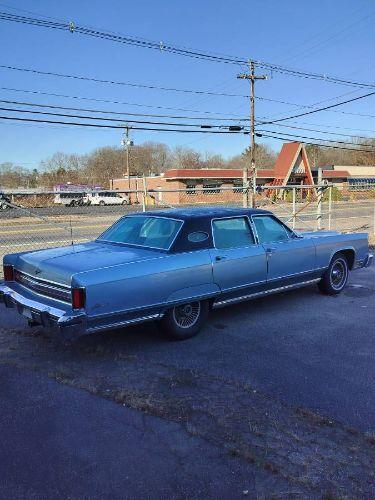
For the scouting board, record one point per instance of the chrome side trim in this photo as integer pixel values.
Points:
(127, 322)
(298, 274)
(222, 303)
(274, 279)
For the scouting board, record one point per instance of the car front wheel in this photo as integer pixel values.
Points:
(184, 321)
(335, 278)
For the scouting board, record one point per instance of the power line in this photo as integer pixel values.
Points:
(117, 113)
(65, 96)
(100, 118)
(312, 106)
(96, 125)
(339, 127)
(322, 131)
(164, 47)
(278, 137)
(199, 92)
(319, 109)
(318, 139)
(128, 40)
(113, 82)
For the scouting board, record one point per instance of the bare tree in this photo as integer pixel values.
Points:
(12, 176)
(186, 158)
(105, 164)
(61, 168)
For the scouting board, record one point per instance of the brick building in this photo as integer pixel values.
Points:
(216, 185)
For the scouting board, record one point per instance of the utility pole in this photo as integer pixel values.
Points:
(127, 157)
(253, 171)
(126, 142)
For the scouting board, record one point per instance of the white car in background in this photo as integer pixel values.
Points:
(69, 198)
(105, 198)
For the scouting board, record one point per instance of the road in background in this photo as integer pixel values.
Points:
(36, 228)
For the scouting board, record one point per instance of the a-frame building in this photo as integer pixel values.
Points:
(292, 166)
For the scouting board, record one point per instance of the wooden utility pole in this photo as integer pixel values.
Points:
(127, 157)
(253, 171)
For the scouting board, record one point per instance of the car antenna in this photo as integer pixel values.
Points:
(71, 232)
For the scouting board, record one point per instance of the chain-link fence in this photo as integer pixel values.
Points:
(42, 219)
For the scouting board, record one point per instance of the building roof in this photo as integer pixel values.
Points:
(212, 173)
(333, 174)
(286, 158)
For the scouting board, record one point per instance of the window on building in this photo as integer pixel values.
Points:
(232, 233)
(237, 187)
(269, 229)
(190, 188)
(361, 183)
(211, 187)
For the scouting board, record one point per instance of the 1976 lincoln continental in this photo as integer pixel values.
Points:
(173, 266)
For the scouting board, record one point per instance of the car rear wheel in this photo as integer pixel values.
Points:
(335, 278)
(184, 321)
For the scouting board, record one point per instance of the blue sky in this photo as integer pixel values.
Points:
(334, 37)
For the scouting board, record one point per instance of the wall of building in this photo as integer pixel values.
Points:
(190, 191)
(357, 170)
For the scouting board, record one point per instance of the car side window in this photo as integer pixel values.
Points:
(232, 233)
(269, 229)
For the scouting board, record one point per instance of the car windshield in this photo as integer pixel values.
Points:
(152, 232)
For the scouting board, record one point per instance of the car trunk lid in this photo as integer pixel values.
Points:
(59, 264)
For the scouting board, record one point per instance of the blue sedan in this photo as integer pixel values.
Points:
(173, 266)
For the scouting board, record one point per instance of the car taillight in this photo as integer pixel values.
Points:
(78, 298)
(8, 272)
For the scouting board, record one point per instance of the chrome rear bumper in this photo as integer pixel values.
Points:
(67, 325)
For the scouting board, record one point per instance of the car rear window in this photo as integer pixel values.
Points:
(143, 231)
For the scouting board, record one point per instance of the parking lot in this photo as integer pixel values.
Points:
(275, 398)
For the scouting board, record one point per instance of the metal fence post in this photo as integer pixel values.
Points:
(319, 200)
(329, 206)
(245, 189)
(144, 194)
(294, 208)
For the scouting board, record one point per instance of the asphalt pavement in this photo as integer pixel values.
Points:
(63, 443)
(67, 432)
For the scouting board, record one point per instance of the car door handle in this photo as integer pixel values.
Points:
(218, 258)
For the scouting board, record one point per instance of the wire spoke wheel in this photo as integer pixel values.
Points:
(187, 315)
(338, 274)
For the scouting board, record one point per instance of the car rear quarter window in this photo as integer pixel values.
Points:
(232, 233)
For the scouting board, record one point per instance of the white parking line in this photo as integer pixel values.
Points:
(57, 242)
